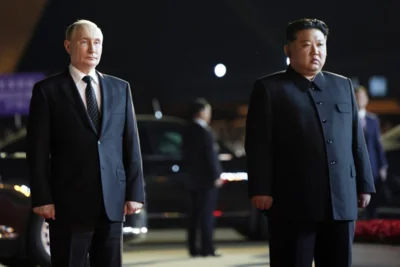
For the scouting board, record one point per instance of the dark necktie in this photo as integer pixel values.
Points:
(91, 102)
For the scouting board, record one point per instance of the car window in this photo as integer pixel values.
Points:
(145, 145)
(168, 139)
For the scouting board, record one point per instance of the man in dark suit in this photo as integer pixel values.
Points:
(204, 170)
(308, 165)
(371, 126)
(84, 155)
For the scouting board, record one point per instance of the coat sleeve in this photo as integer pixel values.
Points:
(132, 154)
(364, 177)
(212, 155)
(38, 148)
(258, 142)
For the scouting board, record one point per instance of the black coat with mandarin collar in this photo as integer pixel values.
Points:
(305, 146)
(82, 171)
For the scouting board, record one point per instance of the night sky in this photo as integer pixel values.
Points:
(168, 49)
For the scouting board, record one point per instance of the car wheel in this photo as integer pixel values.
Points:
(39, 241)
(256, 227)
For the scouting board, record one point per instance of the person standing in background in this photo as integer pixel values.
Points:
(371, 126)
(204, 170)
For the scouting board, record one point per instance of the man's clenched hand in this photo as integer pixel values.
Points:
(46, 211)
(131, 207)
(262, 202)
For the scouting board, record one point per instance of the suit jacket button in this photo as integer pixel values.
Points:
(324, 121)
(319, 102)
(333, 162)
(330, 141)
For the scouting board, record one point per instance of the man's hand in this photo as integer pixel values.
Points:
(131, 207)
(46, 211)
(262, 202)
(383, 174)
(218, 183)
(363, 200)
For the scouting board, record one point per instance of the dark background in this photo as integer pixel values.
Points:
(168, 49)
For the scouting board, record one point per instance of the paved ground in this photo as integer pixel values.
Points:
(167, 249)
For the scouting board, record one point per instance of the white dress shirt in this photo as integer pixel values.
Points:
(361, 115)
(77, 76)
(202, 123)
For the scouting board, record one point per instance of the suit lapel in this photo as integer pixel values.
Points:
(106, 100)
(70, 89)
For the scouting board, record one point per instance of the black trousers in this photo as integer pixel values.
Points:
(202, 204)
(99, 244)
(297, 244)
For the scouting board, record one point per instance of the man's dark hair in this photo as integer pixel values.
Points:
(305, 24)
(198, 105)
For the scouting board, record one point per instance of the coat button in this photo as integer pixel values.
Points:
(333, 162)
(324, 121)
(330, 141)
(319, 102)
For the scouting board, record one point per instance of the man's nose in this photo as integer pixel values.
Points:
(91, 47)
(315, 50)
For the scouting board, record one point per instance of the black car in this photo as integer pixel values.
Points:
(24, 235)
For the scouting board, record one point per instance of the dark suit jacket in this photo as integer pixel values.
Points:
(305, 146)
(200, 157)
(373, 139)
(80, 170)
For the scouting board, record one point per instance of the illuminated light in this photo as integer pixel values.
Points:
(225, 157)
(138, 211)
(143, 230)
(158, 114)
(287, 61)
(217, 213)
(220, 70)
(175, 168)
(23, 189)
(234, 176)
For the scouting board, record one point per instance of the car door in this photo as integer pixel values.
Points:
(164, 177)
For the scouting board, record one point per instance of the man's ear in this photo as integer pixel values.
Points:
(286, 49)
(67, 46)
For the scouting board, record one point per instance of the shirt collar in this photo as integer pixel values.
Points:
(305, 84)
(202, 123)
(78, 75)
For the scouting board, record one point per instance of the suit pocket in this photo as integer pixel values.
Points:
(121, 175)
(352, 171)
(343, 107)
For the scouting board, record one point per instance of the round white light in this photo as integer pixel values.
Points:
(158, 114)
(220, 70)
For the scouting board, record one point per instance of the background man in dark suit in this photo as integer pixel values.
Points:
(84, 155)
(308, 163)
(204, 170)
(371, 126)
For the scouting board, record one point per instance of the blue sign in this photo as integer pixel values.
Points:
(16, 92)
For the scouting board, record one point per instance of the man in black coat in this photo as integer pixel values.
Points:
(308, 164)
(204, 170)
(84, 155)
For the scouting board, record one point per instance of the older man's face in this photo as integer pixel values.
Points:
(85, 47)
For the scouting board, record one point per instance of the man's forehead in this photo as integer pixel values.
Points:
(88, 31)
